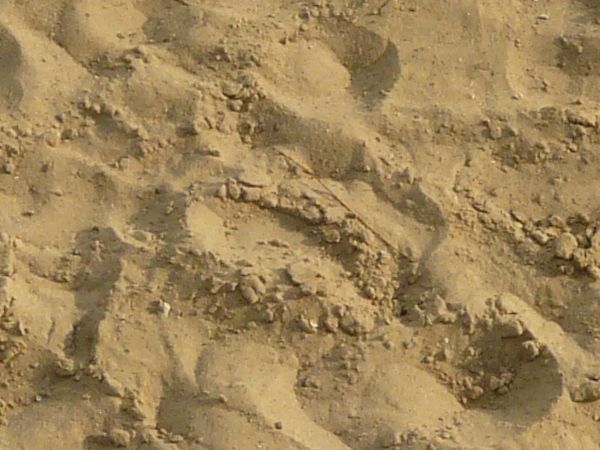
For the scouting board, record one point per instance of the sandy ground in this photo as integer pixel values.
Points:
(303, 225)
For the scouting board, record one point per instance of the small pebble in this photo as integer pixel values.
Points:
(164, 308)
(9, 168)
(587, 391)
(564, 246)
(510, 327)
(119, 437)
(249, 294)
(221, 192)
(332, 236)
(531, 349)
(540, 237)
(176, 438)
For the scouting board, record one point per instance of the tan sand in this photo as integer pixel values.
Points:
(303, 225)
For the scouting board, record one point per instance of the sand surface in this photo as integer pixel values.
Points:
(299, 225)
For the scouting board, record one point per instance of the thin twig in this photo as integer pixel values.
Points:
(379, 11)
(309, 172)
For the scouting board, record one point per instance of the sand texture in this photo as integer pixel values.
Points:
(299, 225)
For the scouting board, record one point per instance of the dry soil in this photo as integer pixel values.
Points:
(299, 225)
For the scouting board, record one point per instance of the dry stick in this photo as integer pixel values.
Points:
(380, 9)
(309, 172)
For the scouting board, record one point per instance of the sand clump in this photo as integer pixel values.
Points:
(299, 225)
